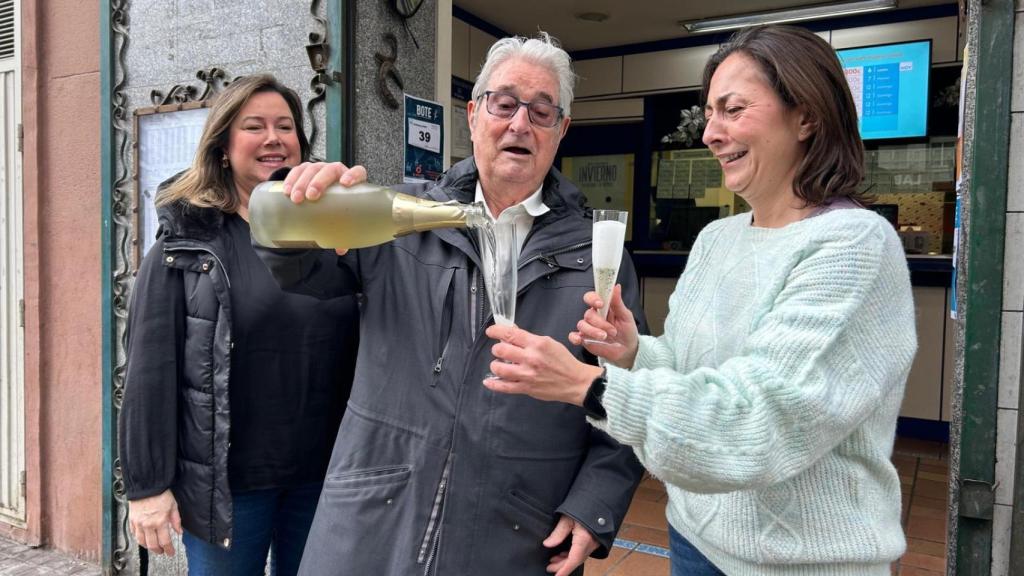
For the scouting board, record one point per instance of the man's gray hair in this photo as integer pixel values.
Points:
(542, 50)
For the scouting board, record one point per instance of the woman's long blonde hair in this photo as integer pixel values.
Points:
(208, 183)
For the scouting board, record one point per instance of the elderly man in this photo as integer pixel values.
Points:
(432, 472)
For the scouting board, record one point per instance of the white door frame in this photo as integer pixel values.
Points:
(12, 303)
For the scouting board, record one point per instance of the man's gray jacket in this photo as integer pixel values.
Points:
(432, 473)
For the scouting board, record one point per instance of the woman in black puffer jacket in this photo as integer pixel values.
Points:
(229, 417)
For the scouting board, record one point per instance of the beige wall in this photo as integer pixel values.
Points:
(62, 275)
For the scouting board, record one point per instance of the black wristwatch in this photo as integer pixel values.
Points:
(592, 401)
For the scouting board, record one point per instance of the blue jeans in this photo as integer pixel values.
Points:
(275, 520)
(687, 560)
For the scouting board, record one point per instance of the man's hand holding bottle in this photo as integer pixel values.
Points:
(310, 179)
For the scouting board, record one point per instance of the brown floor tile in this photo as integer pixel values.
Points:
(941, 477)
(926, 529)
(645, 535)
(921, 448)
(595, 567)
(904, 462)
(931, 489)
(649, 494)
(925, 502)
(652, 482)
(925, 512)
(923, 561)
(915, 571)
(649, 514)
(639, 564)
(937, 466)
(906, 474)
(926, 547)
(905, 466)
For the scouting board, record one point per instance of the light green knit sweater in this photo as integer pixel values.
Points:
(769, 405)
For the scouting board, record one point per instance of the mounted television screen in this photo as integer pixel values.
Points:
(889, 83)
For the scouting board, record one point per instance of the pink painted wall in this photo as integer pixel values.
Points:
(61, 116)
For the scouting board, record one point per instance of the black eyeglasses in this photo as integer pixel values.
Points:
(505, 105)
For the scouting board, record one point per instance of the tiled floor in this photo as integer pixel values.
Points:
(17, 559)
(924, 476)
(641, 549)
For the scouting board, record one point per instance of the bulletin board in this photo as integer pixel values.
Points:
(166, 138)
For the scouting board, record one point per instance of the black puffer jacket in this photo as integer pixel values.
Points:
(175, 420)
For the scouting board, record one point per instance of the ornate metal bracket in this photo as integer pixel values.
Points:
(121, 555)
(318, 54)
(214, 78)
(386, 69)
(318, 51)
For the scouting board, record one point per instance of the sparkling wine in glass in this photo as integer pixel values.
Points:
(499, 252)
(609, 238)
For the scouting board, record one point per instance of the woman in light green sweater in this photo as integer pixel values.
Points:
(769, 405)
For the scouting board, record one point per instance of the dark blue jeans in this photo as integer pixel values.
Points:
(277, 520)
(687, 560)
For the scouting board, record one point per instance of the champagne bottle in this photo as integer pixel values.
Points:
(354, 217)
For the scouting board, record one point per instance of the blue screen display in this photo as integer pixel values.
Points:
(889, 84)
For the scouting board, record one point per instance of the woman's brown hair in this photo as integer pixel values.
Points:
(208, 183)
(805, 72)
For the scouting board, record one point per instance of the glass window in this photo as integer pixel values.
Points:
(687, 195)
(913, 188)
(606, 180)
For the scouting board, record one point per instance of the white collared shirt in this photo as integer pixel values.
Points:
(530, 208)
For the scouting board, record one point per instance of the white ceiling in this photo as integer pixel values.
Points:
(629, 21)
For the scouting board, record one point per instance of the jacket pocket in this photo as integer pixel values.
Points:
(381, 476)
(195, 430)
(527, 507)
(515, 536)
(198, 359)
(444, 327)
(381, 483)
(364, 505)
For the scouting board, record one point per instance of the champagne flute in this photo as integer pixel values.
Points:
(609, 238)
(499, 252)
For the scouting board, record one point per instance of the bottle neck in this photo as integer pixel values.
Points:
(476, 215)
(411, 214)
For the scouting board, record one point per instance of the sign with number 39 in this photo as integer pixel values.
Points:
(424, 140)
(424, 135)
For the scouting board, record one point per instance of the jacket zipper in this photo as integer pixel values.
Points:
(447, 317)
(432, 539)
(477, 303)
(185, 247)
(440, 361)
(431, 543)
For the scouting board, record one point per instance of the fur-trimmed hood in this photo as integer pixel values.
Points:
(184, 220)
